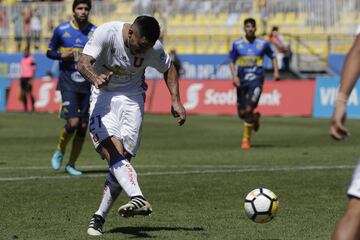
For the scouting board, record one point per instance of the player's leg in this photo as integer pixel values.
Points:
(32, 99)
(251, 119)
(112, 131)
(348, 228)
(67, 132)
(126, 176)
(112, 190)
(82, 106)
(23, 93)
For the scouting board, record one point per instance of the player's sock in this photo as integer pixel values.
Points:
(77, 144)
(65, 135)
(126, 176)
(247, 131)
(112, 190)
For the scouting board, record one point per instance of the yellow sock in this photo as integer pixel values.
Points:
(247, 131)
(77, 144)
(64, 138)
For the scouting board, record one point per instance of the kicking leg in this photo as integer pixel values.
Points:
(125, 174)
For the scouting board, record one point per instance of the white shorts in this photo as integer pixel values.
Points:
(112, 114)
(354, 188)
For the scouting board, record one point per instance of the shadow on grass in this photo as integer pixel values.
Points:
(143, 231)
(95, 171)
(270, 146)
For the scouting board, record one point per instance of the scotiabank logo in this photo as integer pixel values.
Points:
(289, 98)
(45, 95)
(272, 98)
(213, 97)
(47, 99)
(192, 96)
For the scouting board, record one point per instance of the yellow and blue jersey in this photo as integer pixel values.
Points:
(248, 57)
(68, 36)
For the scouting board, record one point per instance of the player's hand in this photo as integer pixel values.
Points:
(178, 111)
(102, 80)
(276, 77)
(236, 81)
(68, 55)
(337, 129)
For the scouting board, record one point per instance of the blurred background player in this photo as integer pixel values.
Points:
(282, 48)
(114, 61)
(246, 64)
(27, 73)
(348, 228)
(66, 44)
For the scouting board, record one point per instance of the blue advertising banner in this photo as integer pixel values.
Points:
(336, 62)
(10, 66)
(196, 66)
(2, 95)
(325, 95)
(204, 66)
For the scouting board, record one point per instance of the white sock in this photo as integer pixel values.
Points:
(112, 190)
(127, 178)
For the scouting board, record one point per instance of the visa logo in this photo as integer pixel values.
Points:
(328, 96)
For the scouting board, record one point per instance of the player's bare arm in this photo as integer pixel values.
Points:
(350, 74)
(172, 82)
(236, 80)
(276, 69)
(86, 69)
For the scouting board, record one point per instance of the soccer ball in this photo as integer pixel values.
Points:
(261, 205)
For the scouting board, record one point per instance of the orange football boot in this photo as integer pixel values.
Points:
(245, 144)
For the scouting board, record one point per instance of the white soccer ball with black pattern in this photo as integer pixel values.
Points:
(261, 205)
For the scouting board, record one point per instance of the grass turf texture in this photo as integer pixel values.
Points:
(195, 176)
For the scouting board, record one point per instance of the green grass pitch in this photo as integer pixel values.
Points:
(196, 178)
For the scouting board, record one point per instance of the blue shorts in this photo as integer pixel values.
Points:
(75, 105)
(249, 92)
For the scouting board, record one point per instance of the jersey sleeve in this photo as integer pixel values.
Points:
(268, 51)
(358, 30)
(55, 40)
(233, 54)
(97, 42)
(160, 60)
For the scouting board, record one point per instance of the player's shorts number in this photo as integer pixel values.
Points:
(95, 122)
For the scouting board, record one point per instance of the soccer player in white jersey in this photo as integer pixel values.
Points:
(349, 225)
(114, 61)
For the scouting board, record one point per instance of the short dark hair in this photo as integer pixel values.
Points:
(251, 21)
(77, 2)
(148, 27)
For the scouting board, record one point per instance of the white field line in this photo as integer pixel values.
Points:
(104, 166)
(187, 172)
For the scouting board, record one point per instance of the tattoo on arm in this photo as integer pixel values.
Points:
(85, 67)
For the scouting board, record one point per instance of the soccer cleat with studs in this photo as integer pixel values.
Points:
(95, 225)
(136, 206)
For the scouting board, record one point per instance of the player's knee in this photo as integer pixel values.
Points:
(69, 128)
(241, 113)
(81, 130)
(73, 123)
(248, 116)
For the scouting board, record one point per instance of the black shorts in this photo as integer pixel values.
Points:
(25, 84)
